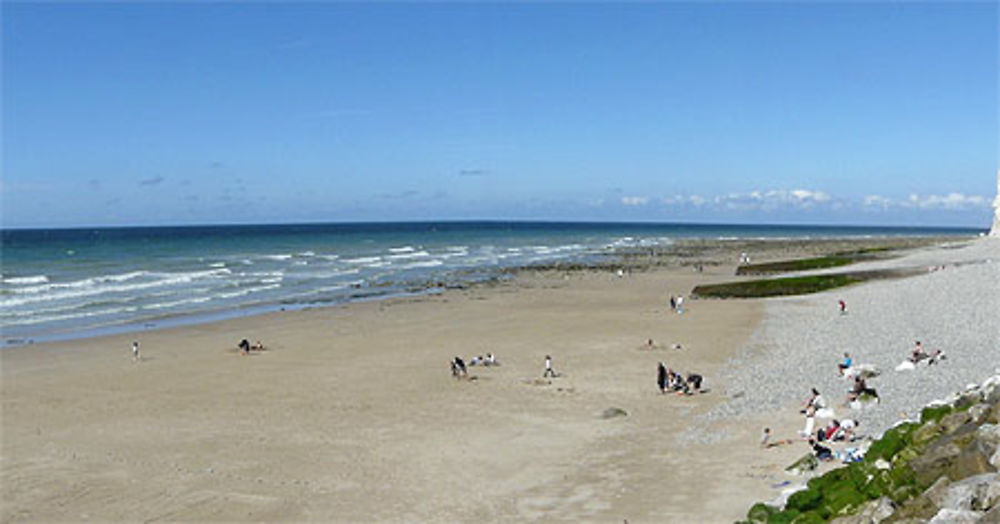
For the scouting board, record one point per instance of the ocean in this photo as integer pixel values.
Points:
(67, 283)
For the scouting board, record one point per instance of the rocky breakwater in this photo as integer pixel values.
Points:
(940, 469)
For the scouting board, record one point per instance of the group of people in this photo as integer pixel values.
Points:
(918, 354)
(459, 369)
(668, 380)
(245, 347)
(677, 304)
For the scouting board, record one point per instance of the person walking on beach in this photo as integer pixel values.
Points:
(548, 368)
(680, 304)
(673, 303)
(843, 307)
(135, 351)
(661, 377)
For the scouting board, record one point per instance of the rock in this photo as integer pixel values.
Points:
(613, 413)
(980, 413)
(808, 462)
(995, 459)
(990, 390)
(967, 399)
(882, 464)
(938, 458)
(956, 516)
(971, 461)
(988, 435)
(977, 493)
(938, 492)
(872, 512)
(926, 433)
(992, 516)
(953, 421)
(917, 508)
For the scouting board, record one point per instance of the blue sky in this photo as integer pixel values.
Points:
(846, 113)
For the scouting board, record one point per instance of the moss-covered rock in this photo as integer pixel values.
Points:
(760, 513)
(805, 500)
(892, 441)
(934, 413)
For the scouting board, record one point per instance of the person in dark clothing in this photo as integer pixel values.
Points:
(661, 377)
(460, 366)
(244, 346)
(694, 380)
(822, 452)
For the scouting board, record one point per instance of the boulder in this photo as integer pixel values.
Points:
(935, 462)
(990, 390)
(956, 516)
(938, 492)
(967, 399)
(808, 462)
(971, 461)
(992, 516)
(988, 435)
(952, 421)
(920, 508)
(926, 433)
(977, 493)
(872, 512)
(980, 413)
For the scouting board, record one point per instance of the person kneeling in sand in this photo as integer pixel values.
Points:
(860, 389)
(845, 365)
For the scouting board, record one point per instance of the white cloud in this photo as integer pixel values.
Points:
(635, 200)
(949, 202)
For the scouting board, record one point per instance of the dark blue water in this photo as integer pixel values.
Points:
(59, 283)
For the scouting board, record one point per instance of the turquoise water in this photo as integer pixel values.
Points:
(64, 283)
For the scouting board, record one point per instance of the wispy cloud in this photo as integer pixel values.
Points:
(474, 172)
(948, 202)
(156, 180)
(635, 200)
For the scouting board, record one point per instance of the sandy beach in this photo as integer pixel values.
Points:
(351, 414)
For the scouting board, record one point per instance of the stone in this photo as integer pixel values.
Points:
(973, 493)
(952, 421)
(882, 464)
(926, 433)
(992, 516)
(938, 458)
(917, 508)
(938, 492)
(872, 512)
(988, 435)
(808, 462)
(990, 390)
(971, 461)
(614, 413)
(980, 413)
(956, 516)
(967, 399)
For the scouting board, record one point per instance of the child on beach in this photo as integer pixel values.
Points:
(135, 351)
(843, 307)
(845, 365)
(548, 368)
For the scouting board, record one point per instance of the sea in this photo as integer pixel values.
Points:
(60, 284)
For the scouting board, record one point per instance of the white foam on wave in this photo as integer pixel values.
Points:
(246, 291)
(362, 260)
(404, 249)
(23, 281)
(277, 257)
(40, 319)
(164, 305)
(87, 287)
(427, 263)
(217, 264)
(84, 283)
(412, 254)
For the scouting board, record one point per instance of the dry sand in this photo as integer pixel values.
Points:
(351, 414)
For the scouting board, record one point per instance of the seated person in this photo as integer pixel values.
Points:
(846, 431)
(844, 365)
(918, 353)
(244, 346)
(257, 346)
(859, 389)
(491, 360)
(822, 452)
(475, 361)
(828, 432)
(694, 380)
